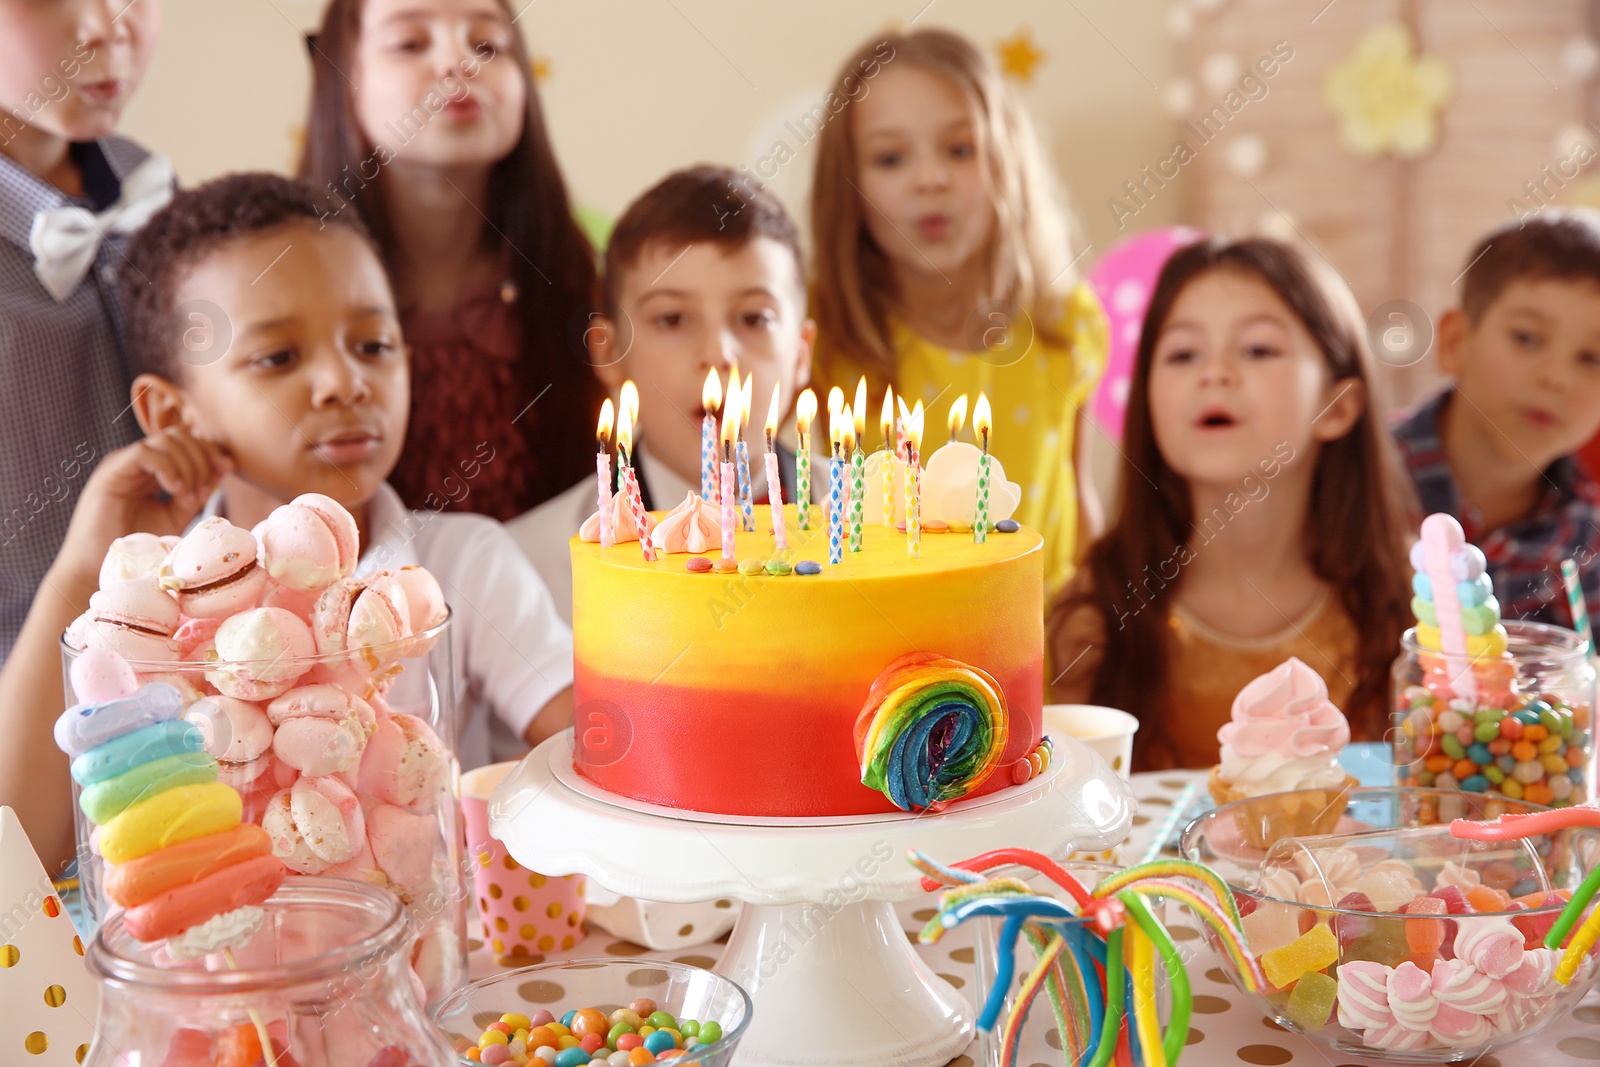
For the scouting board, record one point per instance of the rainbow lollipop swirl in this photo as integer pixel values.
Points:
(932, 730)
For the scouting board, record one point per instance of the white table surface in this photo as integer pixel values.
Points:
(1225, 1029)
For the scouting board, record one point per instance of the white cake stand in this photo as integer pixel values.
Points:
(818, 946)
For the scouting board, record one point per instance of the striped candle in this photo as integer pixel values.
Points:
(982, 423)
(913, 501)
(805, 409)
(602, 466)
(711, 400)
(636, 505)
(730, 492)
(747, 493)
(780, 532)
(858, 470)
(835, 507)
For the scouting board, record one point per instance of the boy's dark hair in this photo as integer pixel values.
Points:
(705, 203)
(194, 224)
(1561, 245)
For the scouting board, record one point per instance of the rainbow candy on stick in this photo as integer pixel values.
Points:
(932, 730)
(1084, 977)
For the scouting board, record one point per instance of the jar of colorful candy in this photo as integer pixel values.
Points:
(346, 760)
(1520, 727)
(325, 981)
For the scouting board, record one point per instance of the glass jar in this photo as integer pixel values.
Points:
(398, 822)
(1527, 733)
(325, 977)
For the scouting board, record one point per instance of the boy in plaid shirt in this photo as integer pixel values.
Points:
(1495, 448)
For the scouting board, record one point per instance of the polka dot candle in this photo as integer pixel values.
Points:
(524, 913)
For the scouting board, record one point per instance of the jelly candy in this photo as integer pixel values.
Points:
(1272, 925)
(1348, 927)
(1311, 1002)
(1425, 935)
(1455, 901)
(1311, 951)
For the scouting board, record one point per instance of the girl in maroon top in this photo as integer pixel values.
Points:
(425, 120)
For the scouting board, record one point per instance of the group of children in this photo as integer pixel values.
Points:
(418, 328)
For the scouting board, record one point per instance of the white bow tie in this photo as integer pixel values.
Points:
(65, 239)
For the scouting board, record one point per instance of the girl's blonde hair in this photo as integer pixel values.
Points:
(1030, 255)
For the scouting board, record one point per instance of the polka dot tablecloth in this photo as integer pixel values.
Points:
(1226, 1027)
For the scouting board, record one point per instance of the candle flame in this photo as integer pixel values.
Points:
(835, 401)
(624, 432)
(850, 423)
(744, 412)
(836, 426)
(805, 410)
(914, 427)
(860, 407)
(630, 400)
(958, 416)
(886, 420)
(982, 421)
(711, 392)
(602, 433)
(773, 414)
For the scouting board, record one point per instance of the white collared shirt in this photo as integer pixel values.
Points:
(512, 651)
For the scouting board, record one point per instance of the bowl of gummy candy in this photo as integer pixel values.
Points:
(598, 1011)
(1390, 938)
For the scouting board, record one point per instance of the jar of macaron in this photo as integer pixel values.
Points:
(296, 705)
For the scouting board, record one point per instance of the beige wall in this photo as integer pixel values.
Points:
(634, 88)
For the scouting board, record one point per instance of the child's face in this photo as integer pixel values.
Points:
(684, 312)
(1531, 366)
(920, 169)
(1235, 375)
(312, 393)
(436, 83)
(68, 67)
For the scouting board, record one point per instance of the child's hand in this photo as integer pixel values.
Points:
(157, 485)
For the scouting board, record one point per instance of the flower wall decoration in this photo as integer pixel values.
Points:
(1387, 97)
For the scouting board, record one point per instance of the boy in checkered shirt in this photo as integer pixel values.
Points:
(1495, 448)
(70, 195)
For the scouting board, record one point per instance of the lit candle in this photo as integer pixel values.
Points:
(958, 416)
(747, 492)
(602, 469)
(780, 533)
(711, 400)
(891, 455)
(856, 420)
(730, 487)
(835, 409)
(836, 486)
(805, 409)
(914, 483)
(630, 477)
(982, 422)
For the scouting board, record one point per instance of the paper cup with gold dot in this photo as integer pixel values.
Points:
(525, 914)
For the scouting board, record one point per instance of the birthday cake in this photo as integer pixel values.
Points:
(879, 684)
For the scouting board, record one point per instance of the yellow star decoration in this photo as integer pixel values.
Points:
(541, 69)
(1018, 55)
(1388, 98)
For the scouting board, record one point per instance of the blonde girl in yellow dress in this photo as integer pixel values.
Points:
(944, 266)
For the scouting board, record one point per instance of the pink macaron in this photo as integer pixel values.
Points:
(134, 619)
(425, 601)
(403, 845)
(404, 764)
(321, 729)
(134, 556)
(235, 731)
(309, 543)
(214, 570)
(369, 618)
(263, 652)
(315, 824)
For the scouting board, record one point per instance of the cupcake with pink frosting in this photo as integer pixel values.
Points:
(1284, 738)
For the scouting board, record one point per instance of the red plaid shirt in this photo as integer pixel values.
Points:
(1524, 556)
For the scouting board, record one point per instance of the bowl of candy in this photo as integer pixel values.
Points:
(1392, 937)
(598, 1011)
